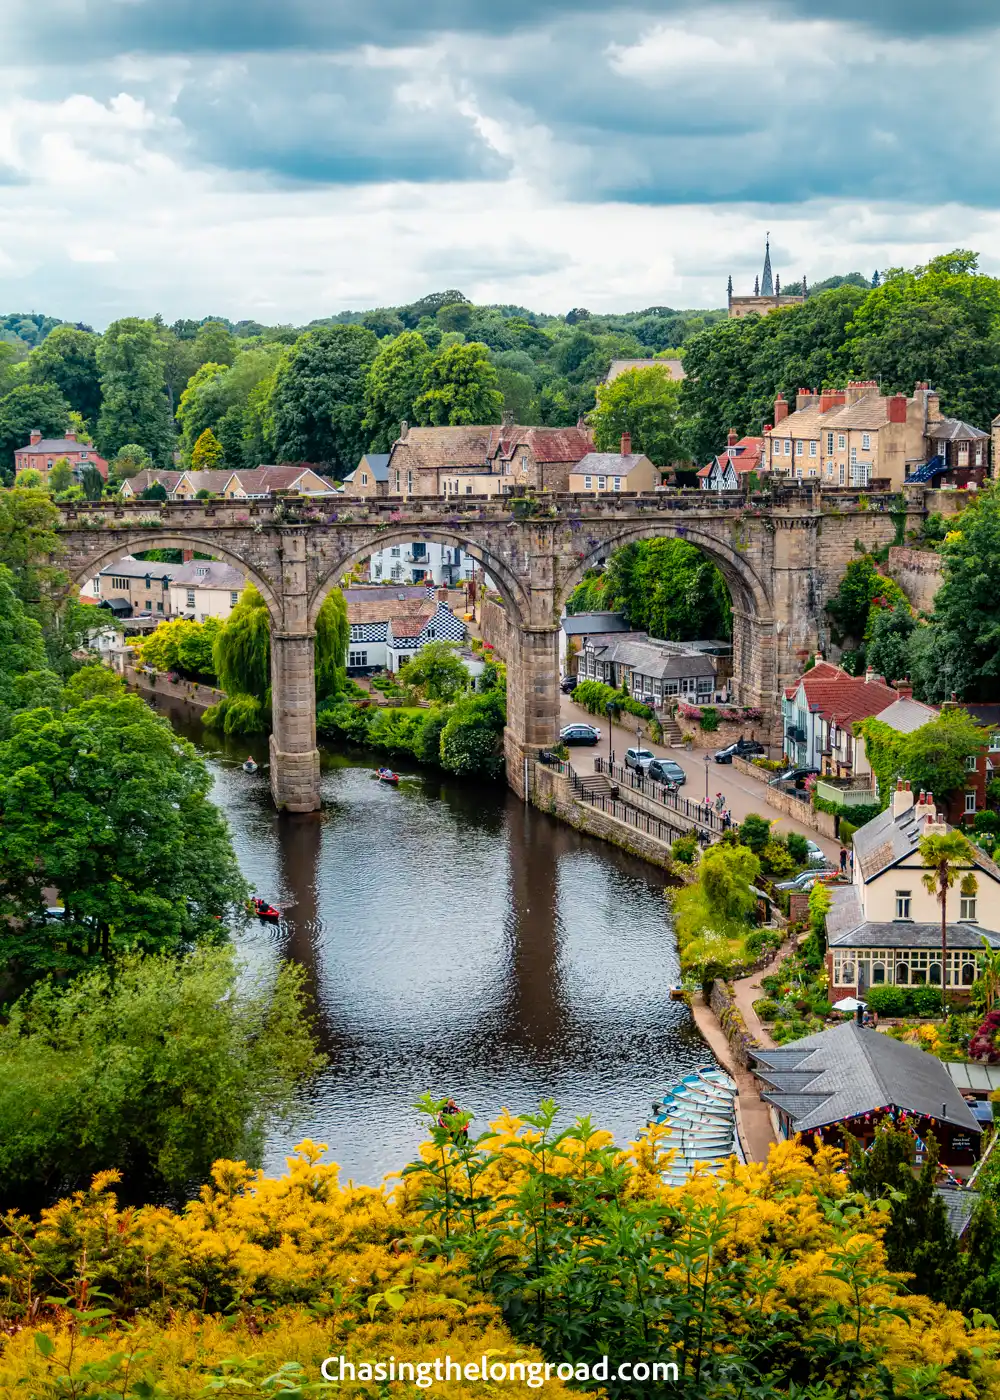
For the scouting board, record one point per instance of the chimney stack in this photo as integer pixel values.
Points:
(869, 676)
(780, 410)
(903, 688)
(35, 437)
(731, 440)
(70, 435)
(626, 444)
(404, 428)
(896, 408)
(902, 799)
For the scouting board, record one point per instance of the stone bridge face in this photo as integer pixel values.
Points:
(781, 554)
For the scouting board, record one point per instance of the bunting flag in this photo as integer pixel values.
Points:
(900, 1118)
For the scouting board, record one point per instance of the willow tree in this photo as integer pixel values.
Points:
(242, 654)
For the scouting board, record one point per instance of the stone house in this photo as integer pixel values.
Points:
(370, 477)
(885, 927)
(41, 454)
(818, 713)
(540, 459)
(136, 586)
(857, 435)
(614, 471)
(653, 671)
(388, 629)
(204, 588)
(740, 457)
(132, 488)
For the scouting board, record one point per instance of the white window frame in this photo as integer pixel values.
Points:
(971, 763)
(970, 803)
(800, 448)
(967, 909)
(814, 449)
(617, 483)
(588, 483)
(788, 447)
(866, 441)
(841, 441)
(904, 903)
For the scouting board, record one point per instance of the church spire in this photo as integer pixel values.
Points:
(766, 282)
(730, 288)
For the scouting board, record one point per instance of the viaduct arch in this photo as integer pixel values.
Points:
(781, 553)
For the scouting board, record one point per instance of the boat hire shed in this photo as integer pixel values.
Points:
(850, 1079)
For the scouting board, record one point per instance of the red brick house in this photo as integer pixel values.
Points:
(43, 453)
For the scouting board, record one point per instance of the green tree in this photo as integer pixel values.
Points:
(460, 386)
(92, 482)
(317, 402)
(67, 358)
(725, 874)
(22, 648)
(668, 588)
(946, 855)
(207, 454)
(31, 548)
(646, 404)
(851, 605)
(887, 650)
(215, 342)
(962, 645)
(392, 386)
(135, 408)
(26, 407)
(333, 633)
(105, 804)
(437, 671)
(472, 737)
(155, 1068)
(938, 323)
(60, 476)
(934, 755)
(755, 832)
(131, 459)
(242, 649)
(156, 492)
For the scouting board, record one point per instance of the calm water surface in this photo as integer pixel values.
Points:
(458, 942)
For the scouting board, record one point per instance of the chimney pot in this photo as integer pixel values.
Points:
(731, 439)
(780, 410)
(35, 436)
(404, 428)
(626, 444)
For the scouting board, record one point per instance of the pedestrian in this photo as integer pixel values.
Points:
(874, 1020)
(720, 801)
(843, 859)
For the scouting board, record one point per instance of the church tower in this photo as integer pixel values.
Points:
(767, 294)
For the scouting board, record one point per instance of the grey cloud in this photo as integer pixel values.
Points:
(61, 29)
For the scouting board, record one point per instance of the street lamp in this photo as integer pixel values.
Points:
(609, 709)
(706, 779)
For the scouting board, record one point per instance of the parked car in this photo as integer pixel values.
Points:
(639, 759)
(742, 748)
(579, 734)
(805, 880)
(568, 684)
(796, 775)
(665, 770)
(817, 856)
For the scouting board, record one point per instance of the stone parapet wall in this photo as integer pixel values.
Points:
(919, 573)
(551, 792)
(823, 822)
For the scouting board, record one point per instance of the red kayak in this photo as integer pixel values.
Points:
(386, 775)
(263, 910)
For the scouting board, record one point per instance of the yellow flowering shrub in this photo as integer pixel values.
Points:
(775, 1266)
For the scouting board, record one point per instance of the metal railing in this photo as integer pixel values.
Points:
(632, 816)
(701, 813)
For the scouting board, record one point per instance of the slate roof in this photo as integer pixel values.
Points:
(610, 463)
(987, 715)
(391, 608)
(959, 1206)
(208, 573)
(599, 623)
(373, 593)
(646, 658)
(906, 715)
(377, 463)
(58, 447)
(854, 1071)
(139, 568)
(886, 839)
(675, 368)
(902, 934)
(954, 430)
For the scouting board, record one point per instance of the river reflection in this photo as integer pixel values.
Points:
(458, 942)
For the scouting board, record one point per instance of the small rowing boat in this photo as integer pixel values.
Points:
(263, 910)
(250, 766)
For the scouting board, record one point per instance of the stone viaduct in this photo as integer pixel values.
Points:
(781, 553)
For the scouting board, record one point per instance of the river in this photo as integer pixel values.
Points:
(459, 942)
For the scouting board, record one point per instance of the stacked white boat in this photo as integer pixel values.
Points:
(701, 1114)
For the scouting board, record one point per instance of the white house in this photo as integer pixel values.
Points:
(205, 588)
(818, 713)
(885, 927)
(386, 631)
(418, 562)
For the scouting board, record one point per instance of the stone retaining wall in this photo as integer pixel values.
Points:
(730, 1018)
(195, 693)
(551, 792)
(918, 572)
(823, 822)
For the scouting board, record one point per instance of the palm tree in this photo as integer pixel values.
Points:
(989, 973)
(945, 854)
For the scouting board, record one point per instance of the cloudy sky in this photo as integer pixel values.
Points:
(284, 159)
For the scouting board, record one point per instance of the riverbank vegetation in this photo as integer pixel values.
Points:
(528, 1241)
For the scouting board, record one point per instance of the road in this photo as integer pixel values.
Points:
(742, 793)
